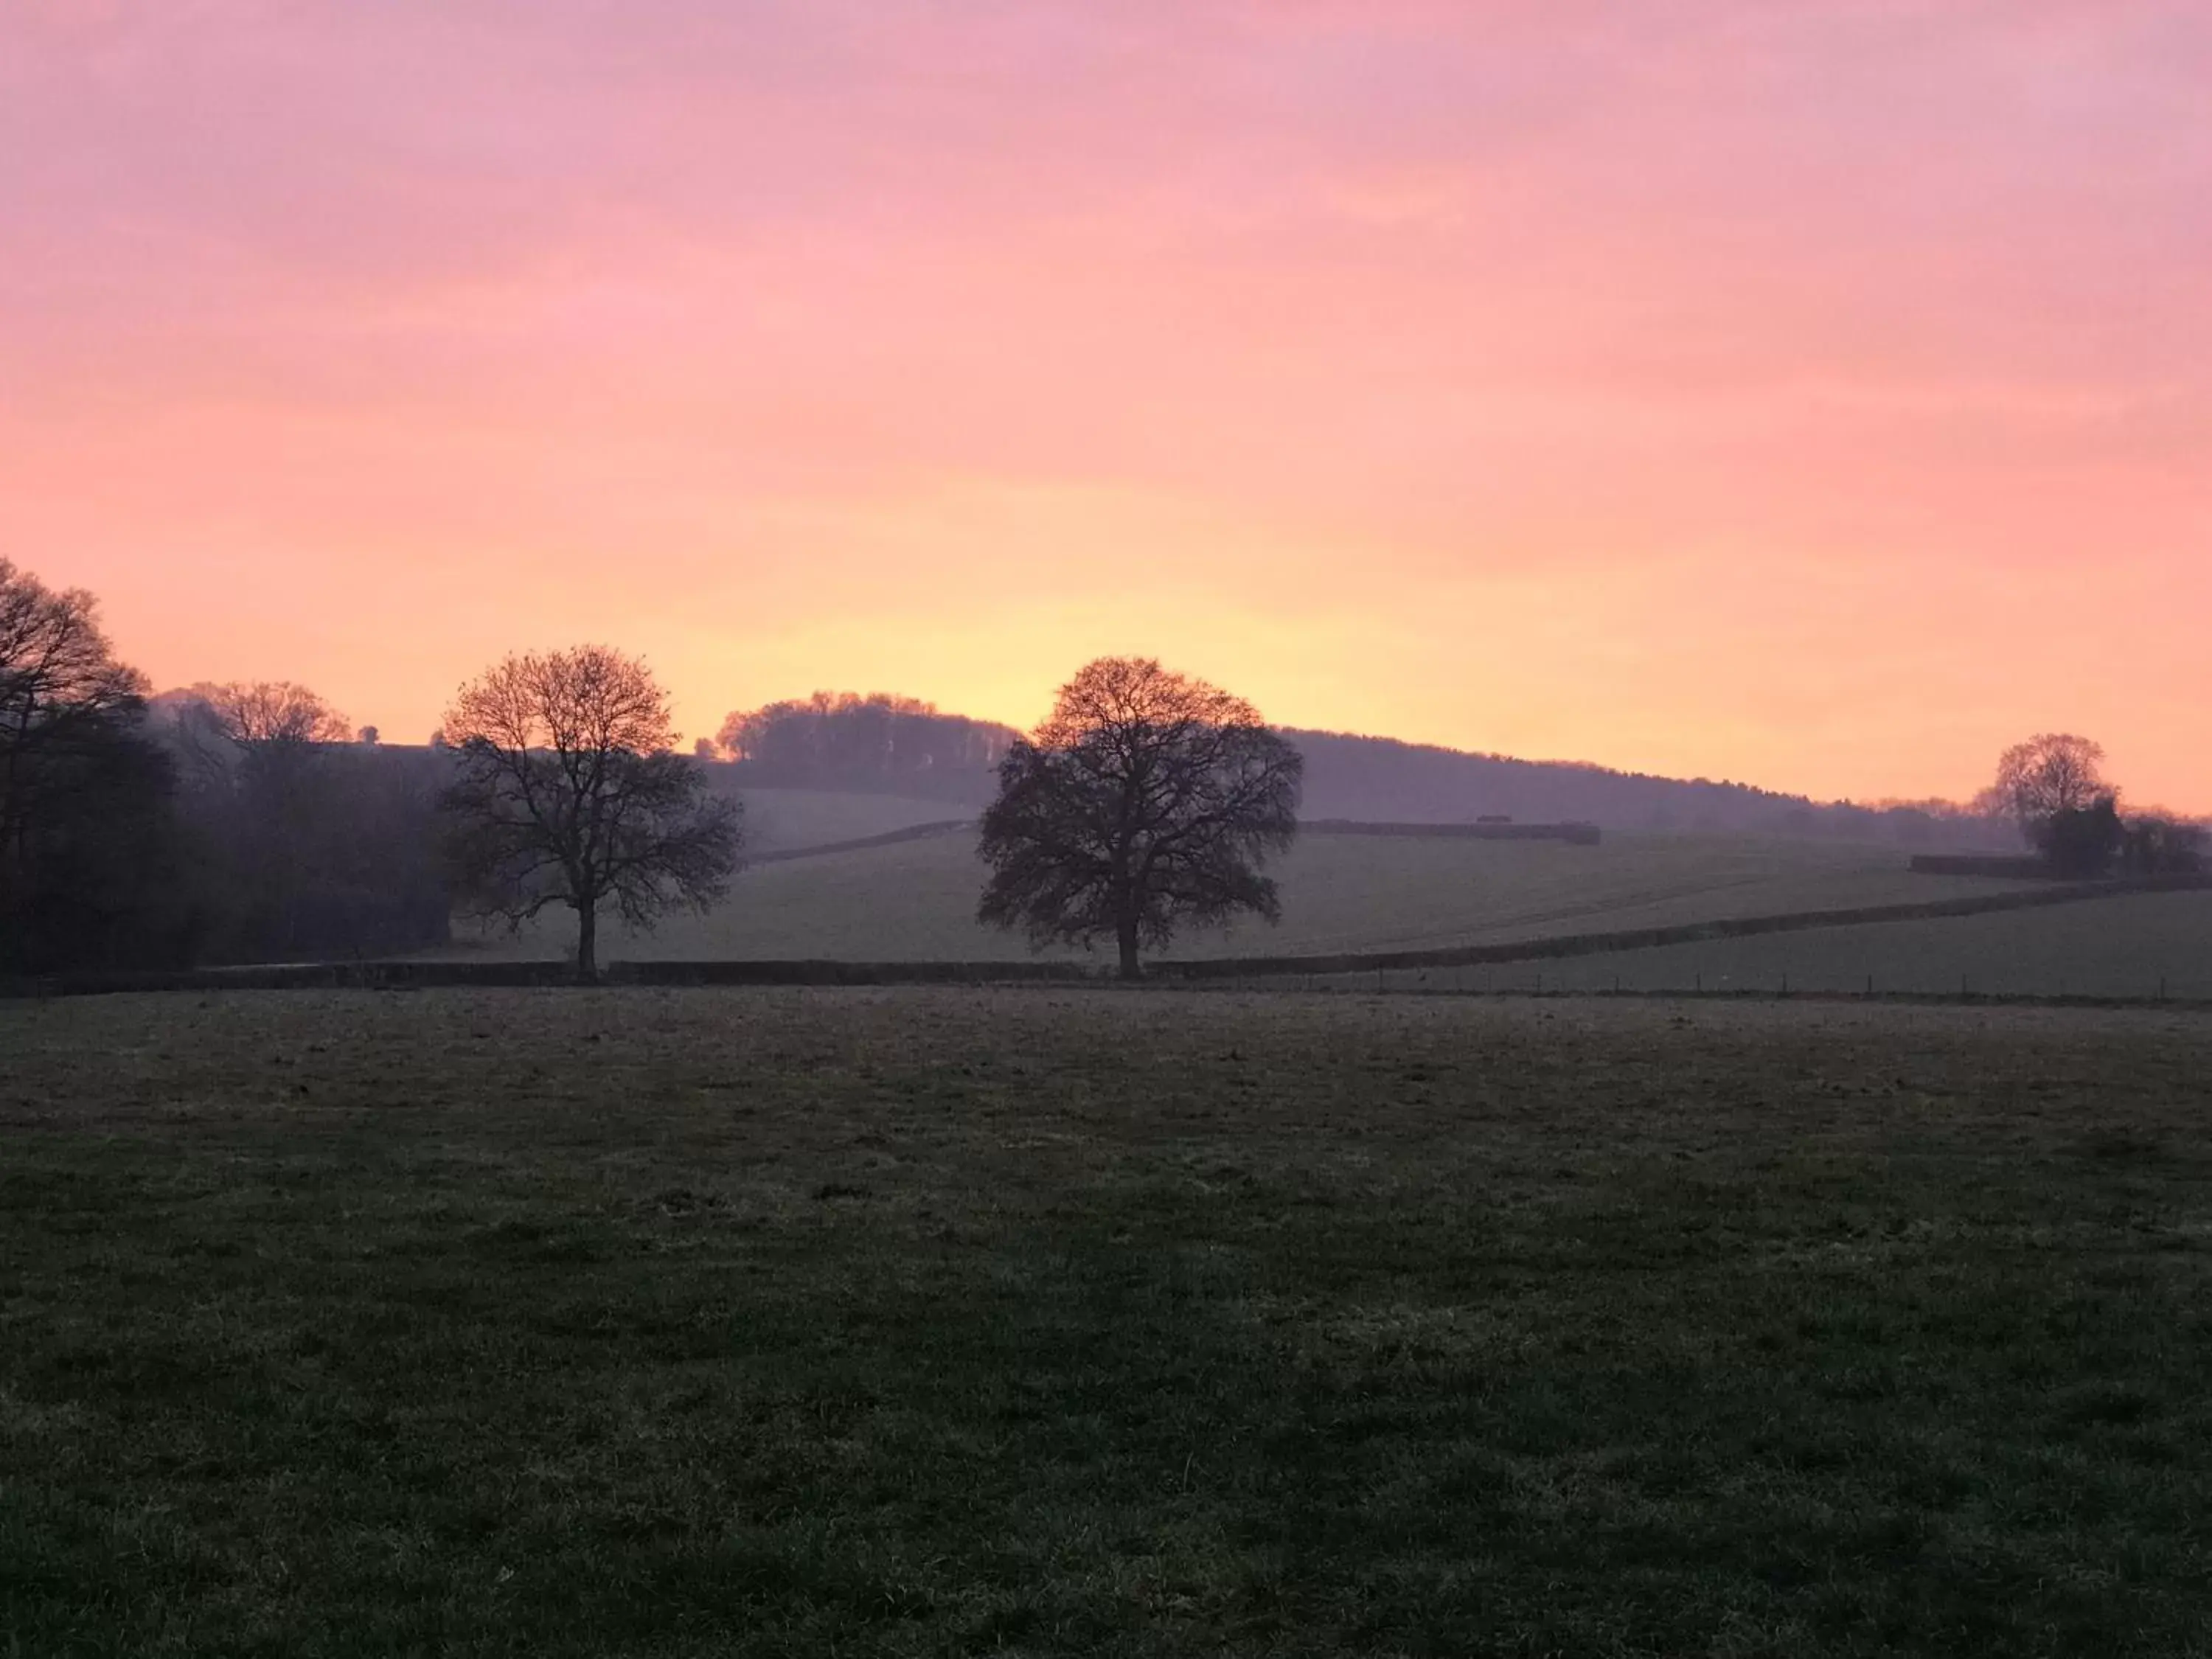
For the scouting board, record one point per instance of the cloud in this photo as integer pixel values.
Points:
(1523, 293)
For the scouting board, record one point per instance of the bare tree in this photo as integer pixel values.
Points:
(54, 656)
(1146, 800)
(570, 793)
(2052, 773)
(268, 730)
(267, 713)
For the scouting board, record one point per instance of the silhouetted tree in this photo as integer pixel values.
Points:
(268, 728)
(2052, 773)
(2080, 841)
(843, 737)
(262, 759)
(2158, 845)
(88, 843)
(1146, 800)
(58, 676)
(268, 712)
(570, 793)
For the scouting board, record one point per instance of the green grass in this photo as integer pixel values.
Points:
(2134, 946)
(930, 1322)
(779, 820)
(917, 901)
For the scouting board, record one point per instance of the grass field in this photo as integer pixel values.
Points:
(917, 901)
(2141, 945)
(777, 820)
(1095, 1323)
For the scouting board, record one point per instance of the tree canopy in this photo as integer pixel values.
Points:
(86, 838)
(2052, 773)
(845, 736)
(1146, 801)
(568, 792)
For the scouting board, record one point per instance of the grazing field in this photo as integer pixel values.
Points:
(570, 1323)
(2139, 945)
(779, 820)
(1339, 893)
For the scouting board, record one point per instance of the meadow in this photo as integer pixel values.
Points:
(1061, 1321)
(2142, 945)
(916, 901)
(780, 820)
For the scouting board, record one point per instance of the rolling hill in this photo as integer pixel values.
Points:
(1353, 776)
(2132, 945)
(915, 899)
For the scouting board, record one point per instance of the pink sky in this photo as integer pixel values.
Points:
(1815, 394)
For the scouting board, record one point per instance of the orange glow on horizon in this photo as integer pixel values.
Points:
(1820, 400)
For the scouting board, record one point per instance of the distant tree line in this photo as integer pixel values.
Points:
(295, 841)
(220, 824)
(250, 822)
(875, 739)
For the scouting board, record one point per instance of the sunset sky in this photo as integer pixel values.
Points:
(1813, 394)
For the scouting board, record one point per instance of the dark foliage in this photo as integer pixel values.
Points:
(854, 740)
(2080, 841)
(2155, 845)
(567, 793)
(98, 867)
(87, 844)
(2053, 773)
(303, 846)
(1146, 801)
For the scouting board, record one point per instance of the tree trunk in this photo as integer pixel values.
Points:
(1127, 933)
(587, 944)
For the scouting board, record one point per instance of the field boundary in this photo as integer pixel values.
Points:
(1581, 834)
(1650, 938)
(2011, 867)
(929, 831)
(1969, 999)
(424, 975)
(434, 975)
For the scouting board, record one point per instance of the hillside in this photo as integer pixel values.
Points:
(2136, 945)
(1381, 778)
(916, 900)
(778, 820)
(1352, 776)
